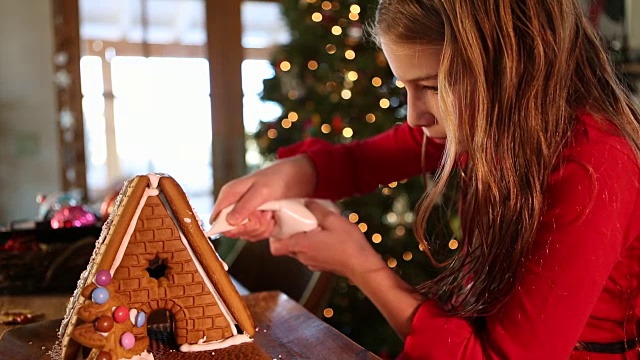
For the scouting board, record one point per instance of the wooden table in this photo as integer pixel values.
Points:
(285, 330)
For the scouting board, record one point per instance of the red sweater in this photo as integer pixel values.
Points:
(581, 282)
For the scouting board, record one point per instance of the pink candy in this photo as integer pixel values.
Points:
(127, 340)
(121, 314)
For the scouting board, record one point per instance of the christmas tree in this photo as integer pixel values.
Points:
(333, 83)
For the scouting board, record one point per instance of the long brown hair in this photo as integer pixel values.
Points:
(513, 76)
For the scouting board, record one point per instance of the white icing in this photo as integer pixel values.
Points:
(153, 179)
(105, 334)
(143, 356)
(187, 220)
(201, 346)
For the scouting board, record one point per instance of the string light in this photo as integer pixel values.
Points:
(328, 312)
(355, 8)
(331, 49)
(353, 217)
(286, 123)
(376, 238)
(386, 191)
(350, 54)
(347, 83)
(292, 95)
(408, 255)
(363, 227)
(272, 133)
(336, 30)
(392, 262)
(312, 65)
(346, 94)
(311, 1)
(384, 103)
(392, 218)
(347, 132)
(316, 16)
(293, 116)
(393, 184)
(354, 16)
(401, 230)
(453, 244)
(285, 66)
(421, 247)
(326, 5)
(399, 84)
(403, 181)
(352, 75)
(376, 81)
(325, 128)
(370, 118)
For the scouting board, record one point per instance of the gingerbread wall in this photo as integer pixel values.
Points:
(181, 291)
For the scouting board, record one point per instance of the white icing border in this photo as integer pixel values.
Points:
(214, 345)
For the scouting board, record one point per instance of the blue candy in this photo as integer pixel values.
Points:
(100, 295)
(141, 317)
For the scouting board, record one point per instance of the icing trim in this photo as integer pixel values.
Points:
(202, 346)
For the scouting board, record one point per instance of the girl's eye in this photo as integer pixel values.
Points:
(433, 89)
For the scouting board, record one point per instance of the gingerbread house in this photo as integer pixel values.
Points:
(153, 255)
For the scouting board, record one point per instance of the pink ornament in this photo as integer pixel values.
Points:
(71, 216)
(121, 314)
(127, 340)
(103, 278)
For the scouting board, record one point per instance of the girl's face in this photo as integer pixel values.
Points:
(417, 67)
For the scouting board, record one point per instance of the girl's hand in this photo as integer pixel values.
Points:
(337, 246)
(291, 177)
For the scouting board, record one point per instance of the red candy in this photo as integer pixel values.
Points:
(104, 324)
(103, 355)
(121, 314)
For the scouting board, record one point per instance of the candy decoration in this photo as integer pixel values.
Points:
(127, 340)
(103, 278)
(141, 317)
(100, 295)
(121, 314)
(72, 216)
(103, 355)
(104, 323)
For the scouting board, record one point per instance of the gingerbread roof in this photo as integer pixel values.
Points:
(153, 224)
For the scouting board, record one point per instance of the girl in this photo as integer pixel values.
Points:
(518, 94)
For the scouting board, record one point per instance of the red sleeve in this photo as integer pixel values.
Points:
(361, 166)
(591, 201)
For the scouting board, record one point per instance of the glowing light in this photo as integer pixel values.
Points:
(293, 116)
(370, 118)
(393, 184)
(354, 9)
(421, 247)
(336, 30)
(311, 1)
(347, 132)
(353, 217)
(292, 95)
(272, 133)
(392, 217)
(407, 255)
(376, 81)
(354, 16)
(285, 66)
(346, 94)
(392, 263)
(331, 49)
(325, 128)
(363, 227)
(312, 65)
(350, 54)
(316, 16)
(384, 103)
(286, 123)
(352, 75)
(328, 312)
(326, 5)
(399, 84)
(386, 191)
(401, 230)
(376, 238)
(453, 244)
